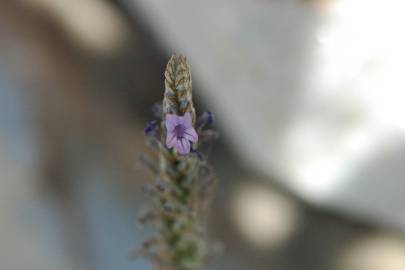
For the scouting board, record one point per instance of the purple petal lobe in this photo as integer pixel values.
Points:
(183, 146)
(172, 121)
(171, 139)
(187, 120)
(191, 135)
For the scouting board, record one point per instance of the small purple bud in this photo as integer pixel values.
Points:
(207, 118)
(210, 117)
(151, 127)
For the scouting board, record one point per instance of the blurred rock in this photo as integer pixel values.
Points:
(307, 91)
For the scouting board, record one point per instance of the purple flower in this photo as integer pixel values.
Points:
(180, 132)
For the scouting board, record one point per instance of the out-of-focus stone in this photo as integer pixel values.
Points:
(310, 95)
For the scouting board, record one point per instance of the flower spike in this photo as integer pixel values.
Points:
(182, 202)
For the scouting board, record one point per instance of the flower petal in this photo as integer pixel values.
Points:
(183, 146)
(191, 135)
(171, 139)
(172, 121)
(186, 120)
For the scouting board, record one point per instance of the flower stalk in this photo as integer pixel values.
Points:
(184, 181)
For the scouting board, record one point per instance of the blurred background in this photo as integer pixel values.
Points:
(308, 96)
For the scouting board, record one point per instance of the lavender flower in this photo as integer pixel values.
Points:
(180, 132)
